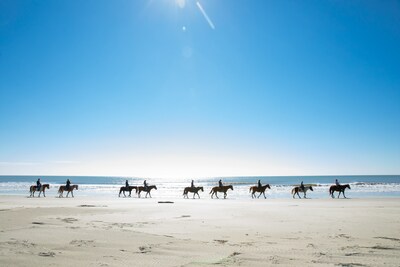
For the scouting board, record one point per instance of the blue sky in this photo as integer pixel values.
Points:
(152, 89)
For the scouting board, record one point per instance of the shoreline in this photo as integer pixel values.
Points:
(110, 231)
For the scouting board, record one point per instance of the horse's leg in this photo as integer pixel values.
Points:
(344, 194)
(298, 194)
(216, 194)
(198, 194)
(44, 193)
(39, 193)
(339, 194)
(72, 193)
(259, 195)
(264, 195)
(305, 196)
(150, 194)
(67, 193)
(225, 195)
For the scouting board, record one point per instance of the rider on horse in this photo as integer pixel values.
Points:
(38, 185)
(302, 186)
(220, 183)
(259, 184)
(192, 184)
(126, 184)
(145, 185)
(337, 182)
(68, 184)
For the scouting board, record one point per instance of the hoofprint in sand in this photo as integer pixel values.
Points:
(105, 231)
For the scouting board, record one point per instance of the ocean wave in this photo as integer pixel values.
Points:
(241, 190)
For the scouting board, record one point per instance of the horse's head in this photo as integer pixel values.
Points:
(46, 186)
(76, 186)
(348, 186)
(311, 188)
(201, 188)
(231, 187)
(155, 187)
(268, 186)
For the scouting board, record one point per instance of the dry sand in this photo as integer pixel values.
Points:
(88, 231)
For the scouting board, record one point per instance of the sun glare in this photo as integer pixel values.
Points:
(181, 3)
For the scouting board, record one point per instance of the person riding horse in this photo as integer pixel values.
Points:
(68, 184)
(259, 184)
(302, 186)
(337, 182)
(38, 185)
(145, 185)
(192, 184)
(220, 183)
(126, 184)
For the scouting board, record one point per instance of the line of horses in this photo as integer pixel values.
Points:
(195, 190)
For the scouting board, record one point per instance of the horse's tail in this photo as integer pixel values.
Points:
(293, 190)
(250, 189)
(211, 190)
(60, 189)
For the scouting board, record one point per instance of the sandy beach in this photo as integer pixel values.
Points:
(89, 231)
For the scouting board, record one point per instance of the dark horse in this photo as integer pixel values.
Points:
(339, 188)
(70, 189)
(223, 189)
(147, 190)
(298, 189)
(259, 189)
(43, 188)
(194, 190)
(129, 189)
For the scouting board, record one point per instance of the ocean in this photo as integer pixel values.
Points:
(362, 186)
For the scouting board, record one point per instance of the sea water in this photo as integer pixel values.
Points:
(362, 186)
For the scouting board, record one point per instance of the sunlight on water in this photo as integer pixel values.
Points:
(384, 186)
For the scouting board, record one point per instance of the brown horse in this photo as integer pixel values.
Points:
(259, 189)
(147, 190)
(129, 189)
(43, 188)
(223, 189)
(194, 190)
(339, 188)
(298, 189)
(70, 189)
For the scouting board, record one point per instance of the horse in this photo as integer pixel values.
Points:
(259, 189)
(223, 189)
(33, 189)
(123, 189)
(70, 189)
(339, 188)
(298, 189)
(147, 190)
(194, 190)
